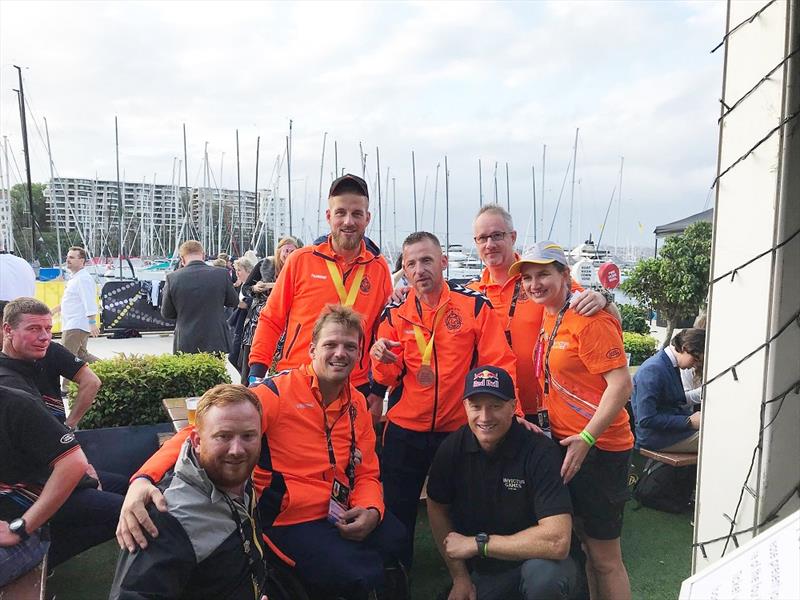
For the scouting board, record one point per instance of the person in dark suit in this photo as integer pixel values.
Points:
(196, 296)
(664, 422)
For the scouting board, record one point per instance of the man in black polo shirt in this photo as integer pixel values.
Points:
(499, 511)
(42, 480)
(30, 362)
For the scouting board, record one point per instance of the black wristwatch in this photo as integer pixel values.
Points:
(482, 539)
(18, 526)
(608, 295)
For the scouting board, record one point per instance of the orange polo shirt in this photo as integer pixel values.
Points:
(304, 287)
(523, 326)
(294, 472)
(584, 348)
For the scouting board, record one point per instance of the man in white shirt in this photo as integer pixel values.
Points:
(17, 278)
(78, 306)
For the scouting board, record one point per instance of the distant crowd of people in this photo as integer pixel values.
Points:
(507, 395)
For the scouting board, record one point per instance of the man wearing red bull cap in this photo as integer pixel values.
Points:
(517, 552)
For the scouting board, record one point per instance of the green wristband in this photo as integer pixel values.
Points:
(588, 438)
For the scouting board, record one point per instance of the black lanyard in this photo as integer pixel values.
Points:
(550, 342)
(512, 309)
(350, 470)
(255, 565)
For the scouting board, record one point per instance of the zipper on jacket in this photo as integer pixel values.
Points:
(435, 389)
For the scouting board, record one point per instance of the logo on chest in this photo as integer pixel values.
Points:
(452, 320)
(365, 286)
(513, 485)
(560, 345)
(317, 276)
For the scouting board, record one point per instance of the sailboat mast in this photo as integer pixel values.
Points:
(120, 202)
(619, 203)
(508, 192)
(238, 248)
(52, 188)
(435, 197)
(220, 205)
(414, 185)
(289, 174)
(394, 212)
(447, 212)
(321, 169)
(480, 184)
(23, 123)
(186, 209)
(572, 192)
(255, 188)
(380, 212)
(533, 188)
(335, 159)
(495, 182)
(544, 165)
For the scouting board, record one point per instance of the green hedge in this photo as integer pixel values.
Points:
(634, 319)
(640, 347)
(133, 386)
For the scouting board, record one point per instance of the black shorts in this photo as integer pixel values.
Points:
(599, 491)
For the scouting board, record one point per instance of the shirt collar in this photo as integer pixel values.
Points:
(337, 405)
(671, 355)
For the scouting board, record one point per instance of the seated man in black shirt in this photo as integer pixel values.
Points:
(499, 511)
(30, 362)
(42, 481)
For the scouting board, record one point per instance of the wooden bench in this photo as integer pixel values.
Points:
(176, 409)
(674, 459)
(30, 586)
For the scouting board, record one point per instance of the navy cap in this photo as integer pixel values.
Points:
(489, 380)
(348, 177)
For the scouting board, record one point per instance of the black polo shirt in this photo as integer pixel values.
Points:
(31, 442)
(500, 493)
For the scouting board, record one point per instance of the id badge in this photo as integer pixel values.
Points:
(544, 421)
(339, 502)
(538, 358)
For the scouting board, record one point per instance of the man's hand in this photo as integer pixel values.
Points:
(357, 523)
(694, 420)
(587, 302)
(133, 516)
(94, 330)
(381, 351)
(260, 287)
(577, 450)
(399, 294)
(6, 537)
(460, 547)
(463, 589)
(530, 426)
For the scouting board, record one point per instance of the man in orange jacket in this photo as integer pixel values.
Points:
(521, 318)
(426, 345)
(344, 268)
(321, 501)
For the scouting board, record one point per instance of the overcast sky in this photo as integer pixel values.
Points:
(488, 81)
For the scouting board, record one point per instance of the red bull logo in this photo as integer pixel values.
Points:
(485, 378)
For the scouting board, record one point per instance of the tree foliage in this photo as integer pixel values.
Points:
(675, 284)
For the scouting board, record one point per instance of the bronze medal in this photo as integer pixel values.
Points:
(425, 376)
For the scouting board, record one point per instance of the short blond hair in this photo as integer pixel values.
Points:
(191, 247)
(339, 315)
(226, 394)
(243, 263)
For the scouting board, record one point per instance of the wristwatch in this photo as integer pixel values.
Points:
(18, 526)
(608, 295)
(482, 539)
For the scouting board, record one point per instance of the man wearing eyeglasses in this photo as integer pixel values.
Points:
(495, 238)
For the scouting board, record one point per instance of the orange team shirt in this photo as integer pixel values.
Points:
(584, 349)
(468, 334)
(294, 474)
(524, 327)
(303, 289)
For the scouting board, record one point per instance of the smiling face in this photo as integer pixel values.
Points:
(423, 265)
(489, 418)
(494, 253)
(544, 284)
(348, 215)
(335, 352)
(30, 339)
(227, 442)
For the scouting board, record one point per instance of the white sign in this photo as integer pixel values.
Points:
(767, 566)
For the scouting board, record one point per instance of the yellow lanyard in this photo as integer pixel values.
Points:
(426, 348)
(345, 298)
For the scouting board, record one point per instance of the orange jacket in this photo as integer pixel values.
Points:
(302, 290)
(294, 475)
(468, 334)
(523, 326)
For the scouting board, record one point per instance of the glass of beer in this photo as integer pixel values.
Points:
(191, 408)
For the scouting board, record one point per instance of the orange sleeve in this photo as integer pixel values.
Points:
(273, 318)
(270, 408)
(493, 349)
(382, 373)
(368, 491)
(600, 344)
(165, 457)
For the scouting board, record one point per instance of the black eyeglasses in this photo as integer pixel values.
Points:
(495, 237)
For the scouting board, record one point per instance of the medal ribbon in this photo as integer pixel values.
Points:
(346, 298)
(426, 348)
